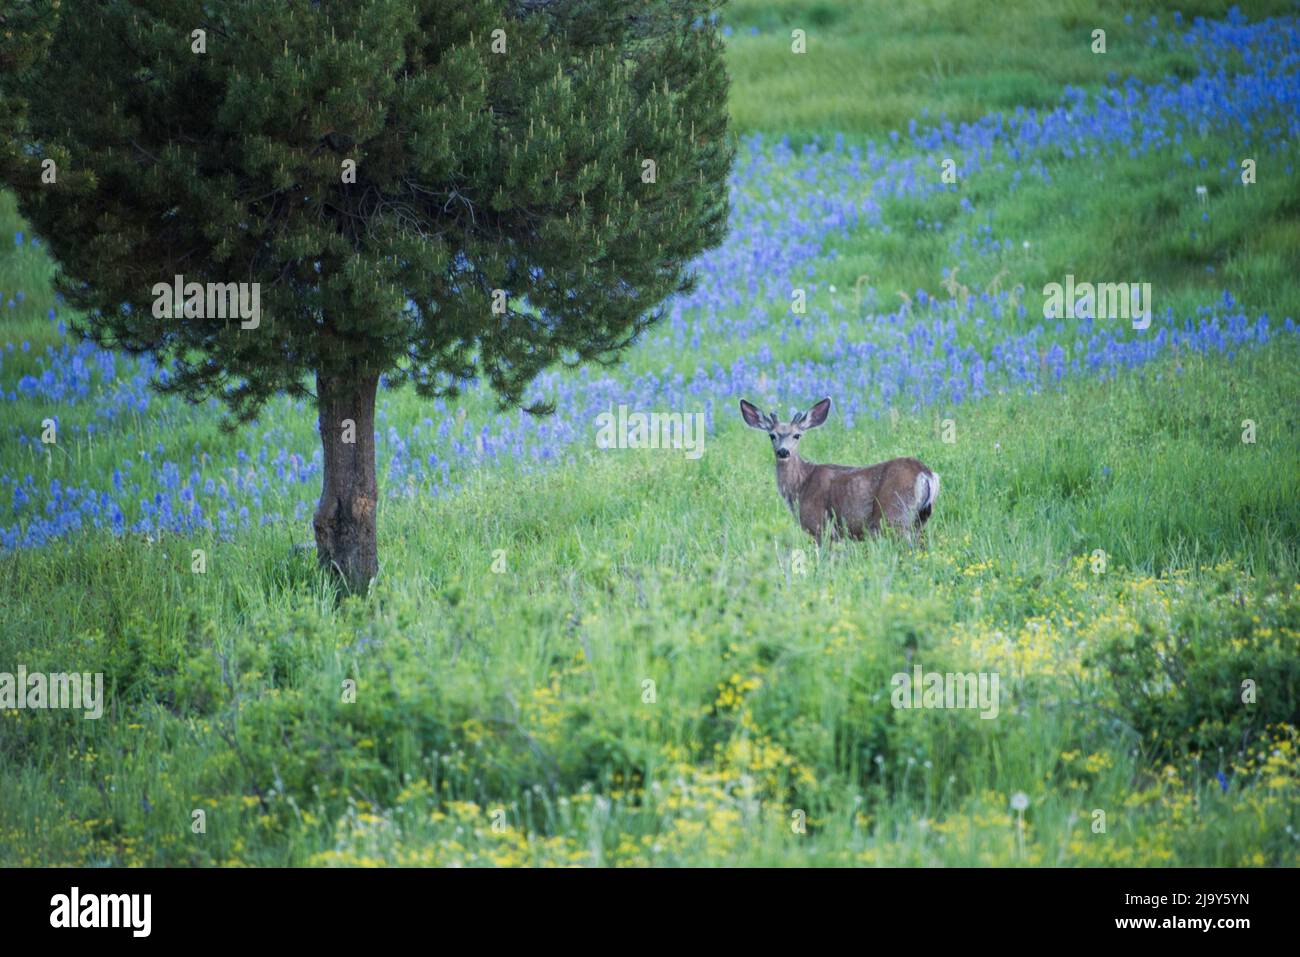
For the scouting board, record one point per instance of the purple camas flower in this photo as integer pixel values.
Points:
(870, 349)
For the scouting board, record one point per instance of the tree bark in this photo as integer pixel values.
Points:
(345, 518)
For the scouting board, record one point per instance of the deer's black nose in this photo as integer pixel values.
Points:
(782, 453)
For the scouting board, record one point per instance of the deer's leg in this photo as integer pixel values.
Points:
(902, 519)
(872, 524)
(846, 521)
(813, 528)
(813, 520)
(920, 531)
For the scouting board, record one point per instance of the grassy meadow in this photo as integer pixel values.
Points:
(630, 657)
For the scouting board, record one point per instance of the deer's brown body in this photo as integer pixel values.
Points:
(845, 499)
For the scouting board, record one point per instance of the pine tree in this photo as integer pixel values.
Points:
(431, 191)
(26, 28)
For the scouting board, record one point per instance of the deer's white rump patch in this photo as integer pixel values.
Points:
(927, 490)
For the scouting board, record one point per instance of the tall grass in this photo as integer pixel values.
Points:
(631, 657)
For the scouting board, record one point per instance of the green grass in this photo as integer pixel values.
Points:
(523, 692)
(872, 66)
(505, 718)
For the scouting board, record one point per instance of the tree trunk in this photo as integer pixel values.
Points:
(345, 517)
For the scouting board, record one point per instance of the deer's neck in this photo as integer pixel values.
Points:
(791, 474)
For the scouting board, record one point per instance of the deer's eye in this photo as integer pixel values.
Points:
(798, 434)
(772, 436)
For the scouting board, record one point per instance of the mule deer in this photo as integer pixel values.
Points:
(852, 500)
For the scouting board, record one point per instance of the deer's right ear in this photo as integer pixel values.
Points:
(817, 414)
(753, 418)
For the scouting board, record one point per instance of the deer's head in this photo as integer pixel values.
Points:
(785, 435)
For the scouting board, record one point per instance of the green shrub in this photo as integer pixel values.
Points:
(1220, 670)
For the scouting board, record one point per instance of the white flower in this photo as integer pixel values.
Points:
(1019, 801)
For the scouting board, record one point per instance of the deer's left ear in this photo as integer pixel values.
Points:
(752, 416)
(817, 414)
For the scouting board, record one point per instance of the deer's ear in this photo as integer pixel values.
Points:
(753, 418)
(817, 414)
